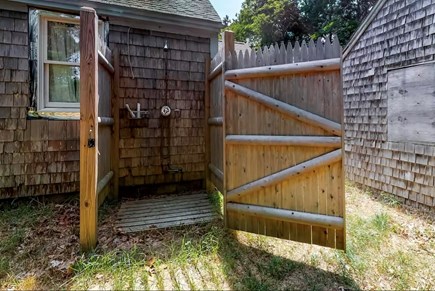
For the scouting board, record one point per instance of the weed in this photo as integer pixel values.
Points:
(190, 281)
(108, 263)
(24, 214)
(118, 283)
(252, 283)
(160, 284)
(399, 266)
(314, 260)
(144, 277)
(390, 199)
(10, 243)
(278, 267)
(174, 280)
(28, 283)
(4, 267)
(381, 222)
(217, 200)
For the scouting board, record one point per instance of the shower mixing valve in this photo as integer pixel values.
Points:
(165, 111)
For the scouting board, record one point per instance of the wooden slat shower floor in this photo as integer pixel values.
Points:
(164, 212)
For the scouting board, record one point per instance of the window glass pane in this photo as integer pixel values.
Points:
(63, 42)
(64, 83)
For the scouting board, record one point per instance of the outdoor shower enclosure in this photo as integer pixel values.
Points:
(162, 143)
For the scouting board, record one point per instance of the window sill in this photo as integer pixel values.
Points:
(55, 114)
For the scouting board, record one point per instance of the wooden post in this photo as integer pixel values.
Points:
(115, 128)
(208, 185)
(88, 128)
(343, 161)
(228, 48)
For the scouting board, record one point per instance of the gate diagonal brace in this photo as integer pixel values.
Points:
(278, 177)
(287, 109)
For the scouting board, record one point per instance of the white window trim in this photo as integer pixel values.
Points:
(44, 103)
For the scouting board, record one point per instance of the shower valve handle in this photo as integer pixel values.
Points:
(165, 111)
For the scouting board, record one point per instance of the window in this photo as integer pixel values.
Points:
(55, 55)
(59, 64)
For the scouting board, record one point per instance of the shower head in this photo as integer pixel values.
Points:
(166, 48)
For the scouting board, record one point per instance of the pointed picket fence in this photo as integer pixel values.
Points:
(278, 54)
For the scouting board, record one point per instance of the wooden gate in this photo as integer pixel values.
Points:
(275, 130)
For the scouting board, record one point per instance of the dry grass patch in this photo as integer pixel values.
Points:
(389, 247)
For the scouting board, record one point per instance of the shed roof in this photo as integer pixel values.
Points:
(195, 15)
(201, 9)
(362, 28)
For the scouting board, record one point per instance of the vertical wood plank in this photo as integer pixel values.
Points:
(289, 54)
(115, 128)
(297, 53)
(88, 128)
(341, 235)
(316, 192)
(228, 49)
(208, 185)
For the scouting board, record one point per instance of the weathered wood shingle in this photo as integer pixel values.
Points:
(37, 157)
(401, 34)
(149, 145)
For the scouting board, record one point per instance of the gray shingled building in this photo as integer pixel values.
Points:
(389, 85)
(39, 99)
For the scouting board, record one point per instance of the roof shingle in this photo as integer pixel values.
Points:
(200, 9)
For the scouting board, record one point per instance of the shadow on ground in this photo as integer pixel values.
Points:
(252, 268)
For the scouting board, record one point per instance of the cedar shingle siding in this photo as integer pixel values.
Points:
(143, 151)
(402, 34)
(40, 157)
(37, 157)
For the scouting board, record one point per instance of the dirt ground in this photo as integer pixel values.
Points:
(389, 246)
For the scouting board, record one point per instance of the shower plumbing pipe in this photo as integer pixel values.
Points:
(166, 158)
(130, 111)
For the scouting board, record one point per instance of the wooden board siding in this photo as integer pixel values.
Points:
(140, 140)
(37, 157)
(402, 34)
(411, 104)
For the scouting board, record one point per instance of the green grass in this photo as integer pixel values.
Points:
(4, 267)
(382, 253)
(15, 220)
(398, 266)
(278, 267)
(252, 283)
(217, 200)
